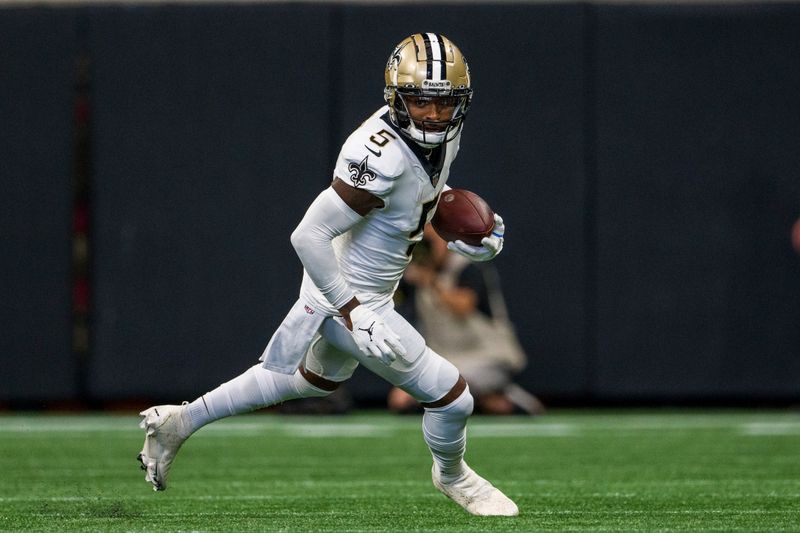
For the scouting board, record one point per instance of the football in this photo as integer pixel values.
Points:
(463, 215)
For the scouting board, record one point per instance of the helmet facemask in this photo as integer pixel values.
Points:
(431, 133)
(427, 66)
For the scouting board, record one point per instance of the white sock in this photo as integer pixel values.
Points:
(445, 432)
(256, 388)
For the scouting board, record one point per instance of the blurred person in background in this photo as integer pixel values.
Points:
(459, 307)
(354, 242)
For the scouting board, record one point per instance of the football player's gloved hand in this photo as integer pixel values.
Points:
(373, 337)
(490, 246)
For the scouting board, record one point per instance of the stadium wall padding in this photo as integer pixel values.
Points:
(211, 140)
(697, 137)
(37, 55)
(645, 158)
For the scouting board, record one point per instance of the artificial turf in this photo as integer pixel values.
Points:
(643, 471)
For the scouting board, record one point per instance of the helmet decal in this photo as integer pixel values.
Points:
(394, 61)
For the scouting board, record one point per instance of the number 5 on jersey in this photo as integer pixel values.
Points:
(380, 139)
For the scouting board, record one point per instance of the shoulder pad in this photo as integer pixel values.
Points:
(379, 145)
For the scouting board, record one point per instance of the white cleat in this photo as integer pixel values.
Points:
(475, 494)
(165, 431)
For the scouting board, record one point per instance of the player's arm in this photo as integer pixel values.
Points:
(329, 216)
(362, 202)
(359, 200)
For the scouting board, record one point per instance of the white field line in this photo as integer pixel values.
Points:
(294, 429)
(760, 429)
(522, 430)
(482, 427)
(338, 430)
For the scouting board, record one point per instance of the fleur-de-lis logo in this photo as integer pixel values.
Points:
(394, 57)
(359, 173)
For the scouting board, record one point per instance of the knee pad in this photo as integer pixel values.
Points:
(432, 378)
(329, 362)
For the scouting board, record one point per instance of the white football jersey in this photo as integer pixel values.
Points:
(408, 178)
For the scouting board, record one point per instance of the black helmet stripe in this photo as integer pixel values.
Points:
(434, 51)
(428, 55)
(443, 60)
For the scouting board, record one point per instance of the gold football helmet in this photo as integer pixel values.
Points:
(427, 66)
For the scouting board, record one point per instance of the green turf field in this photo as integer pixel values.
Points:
(568, 471)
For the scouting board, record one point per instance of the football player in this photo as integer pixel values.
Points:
(355, 241)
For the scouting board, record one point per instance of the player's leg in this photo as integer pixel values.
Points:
(429, 378)
(168, 426)
(320, 373)
(445, 396)
(444, 428)
(256, 388)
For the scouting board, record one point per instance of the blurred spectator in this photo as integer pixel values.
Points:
(459, 308)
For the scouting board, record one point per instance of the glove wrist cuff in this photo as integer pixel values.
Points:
(358, 312)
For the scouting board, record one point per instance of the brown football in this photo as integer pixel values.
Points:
(463, 215)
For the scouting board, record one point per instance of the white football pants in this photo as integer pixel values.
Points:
(334, 356)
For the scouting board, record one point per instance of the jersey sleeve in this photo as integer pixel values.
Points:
(370, 160)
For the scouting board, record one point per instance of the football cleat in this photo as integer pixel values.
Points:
(475, 494)
(165, 431)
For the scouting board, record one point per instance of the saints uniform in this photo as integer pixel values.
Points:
(374, 253)
(403, 161)
(371, 256)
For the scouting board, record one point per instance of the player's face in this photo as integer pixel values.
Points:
(434, 111)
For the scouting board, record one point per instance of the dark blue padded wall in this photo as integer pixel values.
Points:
(211, 136)
(37, 48)
(698, 129)
(522, 150)
(645, 158)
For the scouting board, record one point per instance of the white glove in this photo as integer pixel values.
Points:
(490, 246)
(373, 337)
